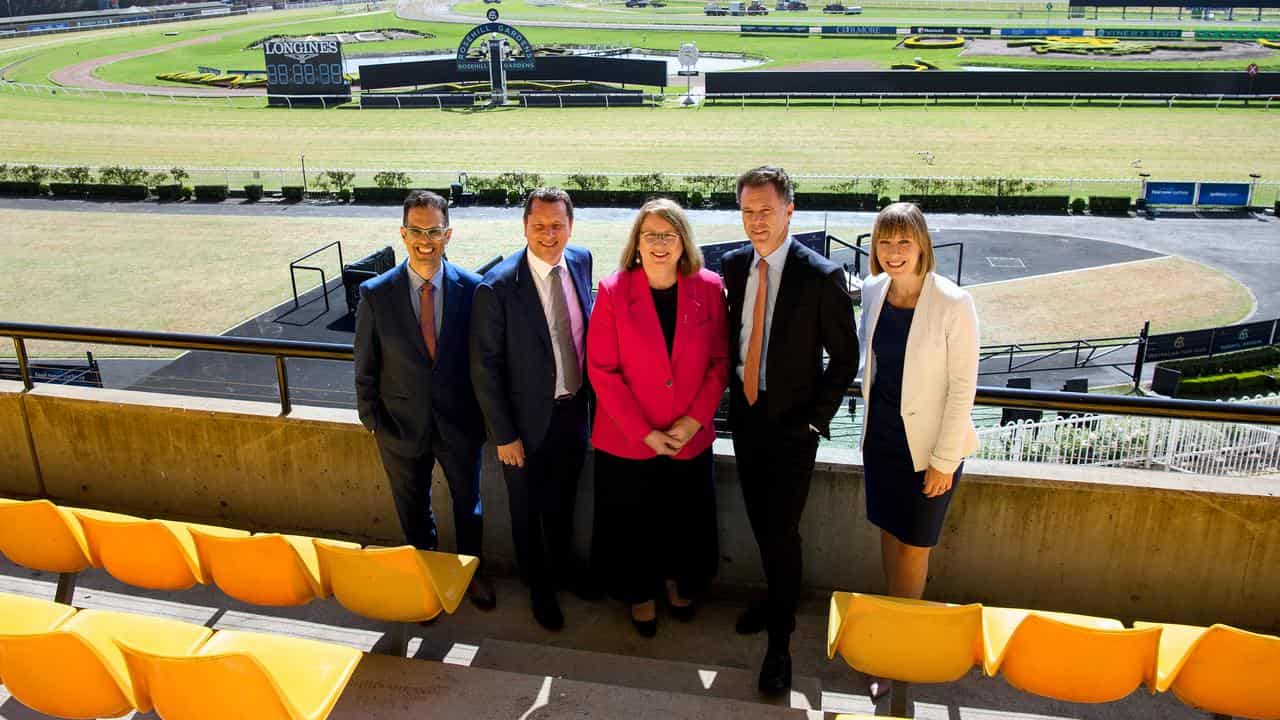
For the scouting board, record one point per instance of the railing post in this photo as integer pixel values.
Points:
(20, 348)
(282, 379)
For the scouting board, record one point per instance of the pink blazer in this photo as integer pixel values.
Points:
(638, 388)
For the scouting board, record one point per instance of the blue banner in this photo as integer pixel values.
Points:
(776, 29)
(1171, 193)
(1243, 337)
(1041, 32)
(949, 30)
(1223, 194)
(859, 30)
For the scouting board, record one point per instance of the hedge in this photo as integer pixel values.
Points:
(212, 193)
(1243, 383)
(1226, 363)
(253, 193)
(380, 195)
(14, 187)
(1104, 205)
(169, 193)
(1016, 204)
(292, 192)
(836, 201)
(99, 191)
(624, 198)
(491, 196)
(724, 200)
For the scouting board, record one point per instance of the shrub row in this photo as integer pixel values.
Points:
(99, 190)
(212, 193)
(1022, 204)
(1243, 383)
(14, 187)
(624, 198)
(1104, 205)
(1240, 361)
(835, 201)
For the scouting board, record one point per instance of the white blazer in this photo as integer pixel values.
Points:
(940, 372)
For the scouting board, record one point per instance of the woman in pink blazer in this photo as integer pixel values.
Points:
(657, 356)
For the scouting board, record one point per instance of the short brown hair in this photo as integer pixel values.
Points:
(768, 175)
(903, 218)
(425, 198)
(690, 260)
(550, 195)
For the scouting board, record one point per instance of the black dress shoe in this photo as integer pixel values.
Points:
(751, 621)
(646, 628)
(584, 588)
(546, 610)
(775, 672)
(482, 594)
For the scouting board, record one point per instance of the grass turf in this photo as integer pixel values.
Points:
(1039, 142)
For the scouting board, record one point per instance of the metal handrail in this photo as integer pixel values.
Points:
(284, 349)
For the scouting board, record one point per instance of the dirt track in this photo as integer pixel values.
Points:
(81, 74)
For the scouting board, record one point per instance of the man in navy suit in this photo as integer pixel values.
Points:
(528, 341)
(413, 382)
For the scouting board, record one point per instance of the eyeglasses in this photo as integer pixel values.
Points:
(654, 238)
(435, 234)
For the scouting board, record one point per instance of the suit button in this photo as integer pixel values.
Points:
(668, 383)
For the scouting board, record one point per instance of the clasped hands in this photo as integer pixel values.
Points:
(673, 439)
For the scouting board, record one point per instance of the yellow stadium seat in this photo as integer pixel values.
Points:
(77, 671)
(39, 535)
(245, 675)
(1220, 669)
(21, 615)
(400, 584)
(912, 640)
(1076, 658)
(155, 554)
(267, 569)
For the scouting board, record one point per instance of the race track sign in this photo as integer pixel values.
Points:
(305, 67)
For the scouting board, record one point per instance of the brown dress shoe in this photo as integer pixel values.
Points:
(482, 594)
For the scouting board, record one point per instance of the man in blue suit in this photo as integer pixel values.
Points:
(413, 382)
(528, 342)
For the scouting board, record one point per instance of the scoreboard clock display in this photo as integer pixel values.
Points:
(306, 67)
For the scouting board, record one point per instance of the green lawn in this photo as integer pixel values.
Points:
(995, 140)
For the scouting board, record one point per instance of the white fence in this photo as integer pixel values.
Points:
(1189, 446)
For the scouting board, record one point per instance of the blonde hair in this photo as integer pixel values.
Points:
(898, 219)
(690, 260)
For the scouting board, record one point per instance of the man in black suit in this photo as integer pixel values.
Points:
(413, 382)
(787, 304)
(528, 342)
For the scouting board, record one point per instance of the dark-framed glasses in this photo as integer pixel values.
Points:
(659, 238)
(434, 234)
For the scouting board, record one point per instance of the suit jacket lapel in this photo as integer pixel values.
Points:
(527, 292)
(581, 284)
(688, 304)
(451, 292)
(403, 308)
(784, 305)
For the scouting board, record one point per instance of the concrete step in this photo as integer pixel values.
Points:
(390, 688)
(642, 673)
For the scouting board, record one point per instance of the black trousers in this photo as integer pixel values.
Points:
(542, 495)
(655, 519)
(410, 479)
(775, 464)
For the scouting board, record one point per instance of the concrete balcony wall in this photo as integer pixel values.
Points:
(18, 475)
(1123, 543)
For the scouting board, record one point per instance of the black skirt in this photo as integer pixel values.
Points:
(896, 502)
(654, 520)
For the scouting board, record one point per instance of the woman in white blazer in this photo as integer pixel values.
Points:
(918, 385)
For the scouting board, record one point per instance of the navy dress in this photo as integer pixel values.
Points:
(895, 501)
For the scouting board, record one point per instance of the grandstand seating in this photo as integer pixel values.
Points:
(263, 569)
(1220, 669)
(394, 584)
(170, 562)
(97, 663)
(275, 677)
(1068, 657)
(62, 549)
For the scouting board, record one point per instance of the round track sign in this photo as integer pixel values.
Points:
(492, 15)
(1252, 69)
(688, 54)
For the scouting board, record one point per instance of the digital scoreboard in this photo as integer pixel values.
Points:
(305, 72)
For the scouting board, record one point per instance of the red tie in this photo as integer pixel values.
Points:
(427, 318)
(751, 371)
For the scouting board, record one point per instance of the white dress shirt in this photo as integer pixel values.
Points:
(776, 260)
(542, 281)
